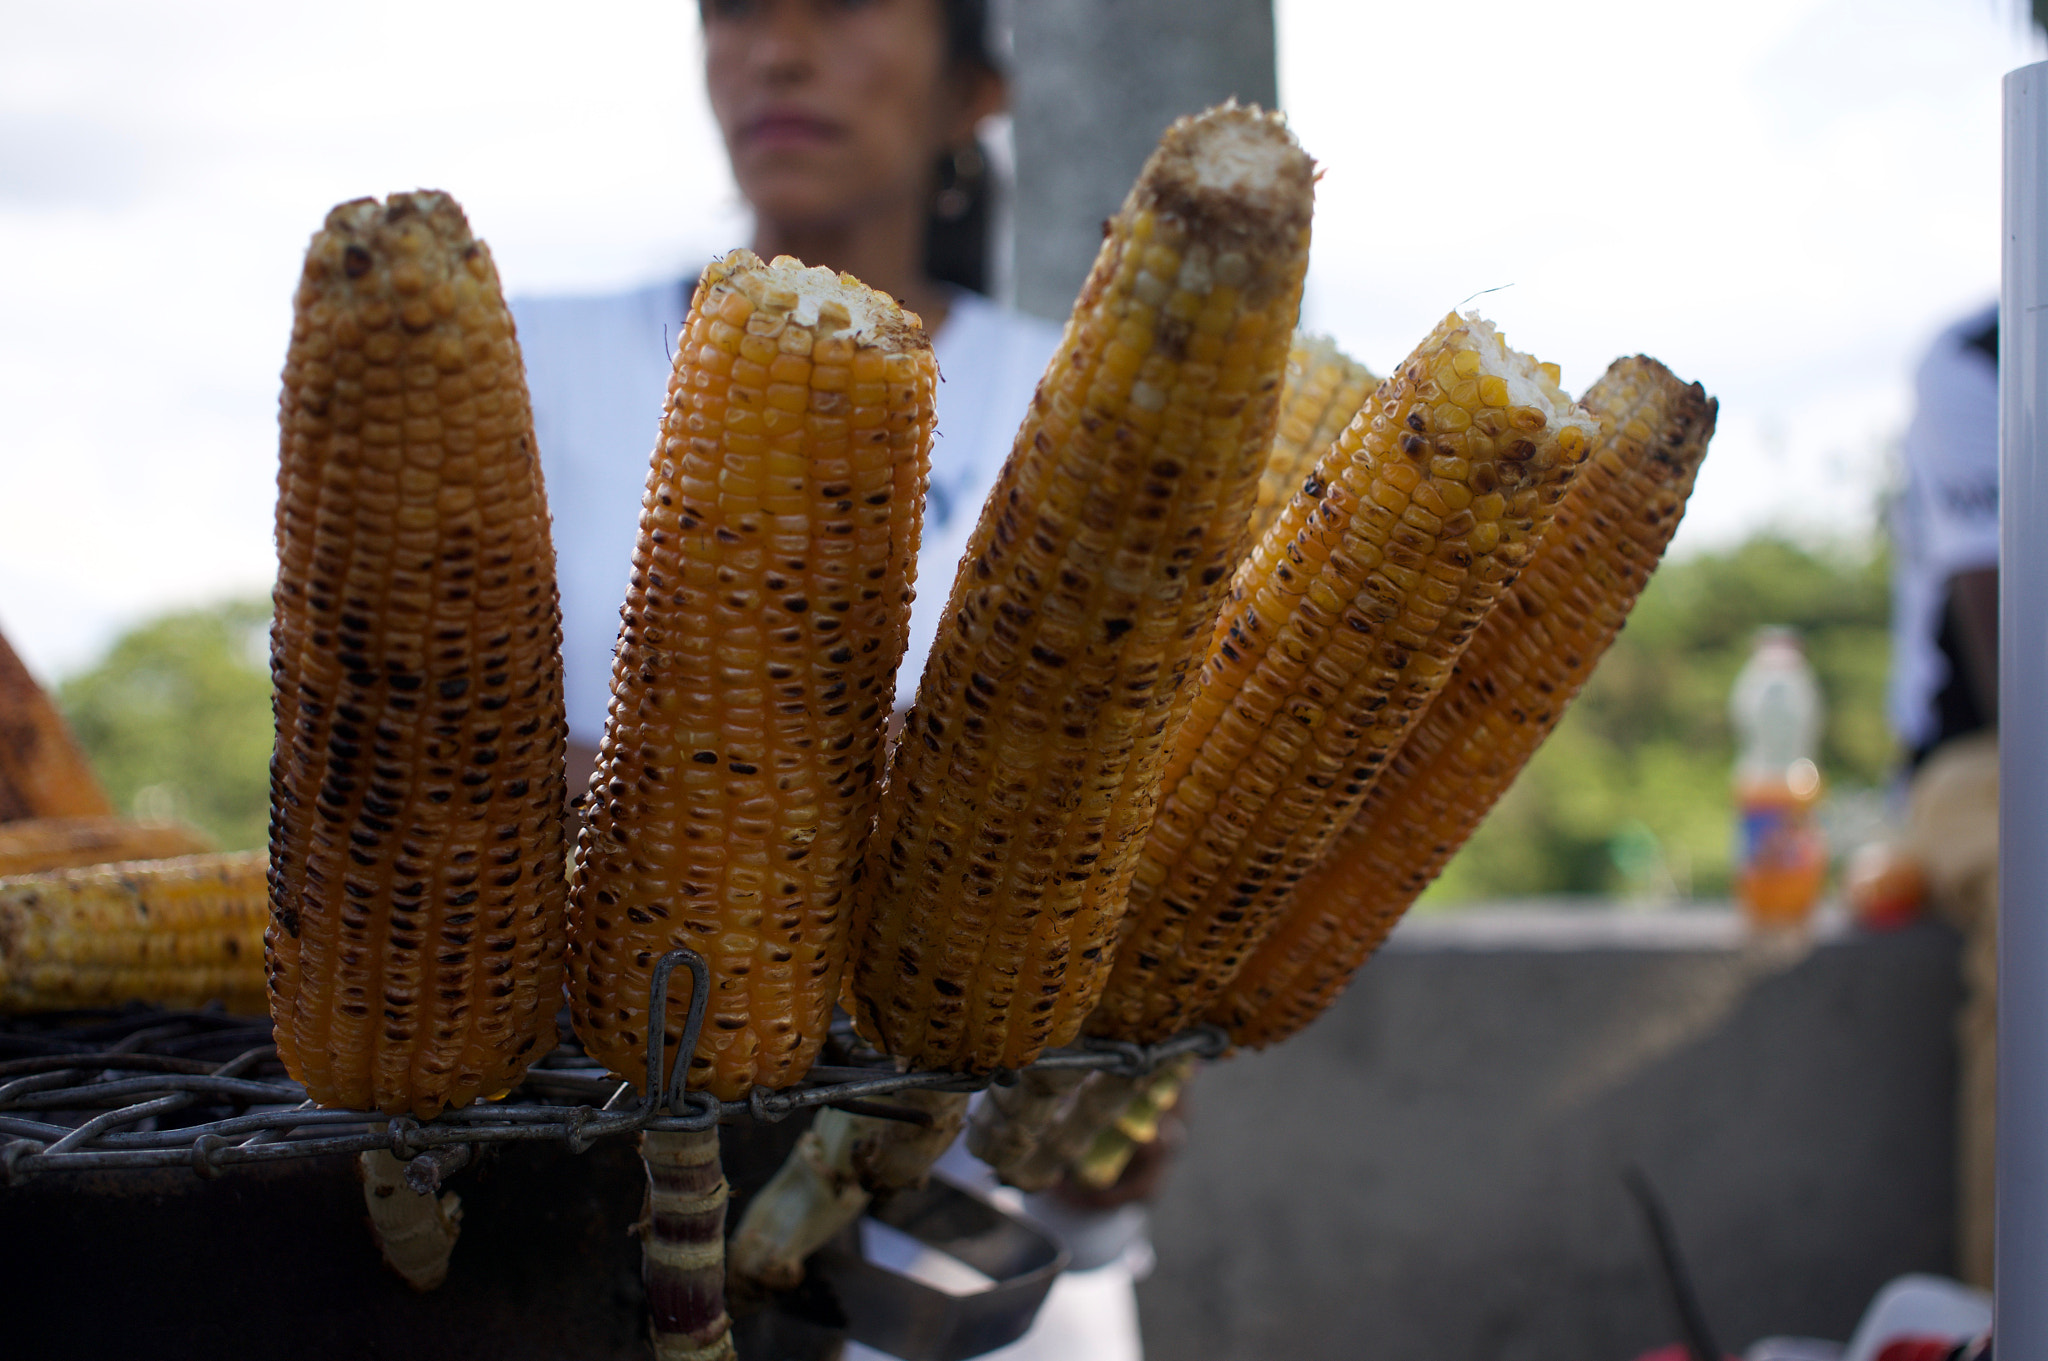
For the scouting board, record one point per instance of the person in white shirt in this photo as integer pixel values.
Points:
(851, 129)
(1944, 708)
(1945, 545)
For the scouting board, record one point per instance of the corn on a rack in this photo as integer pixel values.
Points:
(35, 845)
(767, 614)
(1524, 665)
(1342, 623)
(1028, 766)
(180, 932)
(417, 841)
(43, 774)
(1325, 387)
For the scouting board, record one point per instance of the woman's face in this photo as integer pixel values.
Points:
(834, 108)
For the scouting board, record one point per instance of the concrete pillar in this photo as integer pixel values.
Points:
(1093, 84)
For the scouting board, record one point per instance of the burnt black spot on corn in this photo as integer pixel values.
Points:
(1525, 663)
(737, 779)
(1010, 822)
(1341, 625)
(415, 659)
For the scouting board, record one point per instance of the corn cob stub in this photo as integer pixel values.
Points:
(1029, 764)
(180, 932)
(1343, 622)
(768, 611)
(417, 791)
(1523, 668)
(34, 845)
(1325, 387)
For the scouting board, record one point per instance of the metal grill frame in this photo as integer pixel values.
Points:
(134, 1087)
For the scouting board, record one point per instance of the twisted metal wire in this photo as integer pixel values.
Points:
(133, 1089)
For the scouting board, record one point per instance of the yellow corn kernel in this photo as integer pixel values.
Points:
(1324, 389)
(417, 843)
(767, 613)
(179, 932)
(1028, 766)
(1299, 704)
(1526, 662)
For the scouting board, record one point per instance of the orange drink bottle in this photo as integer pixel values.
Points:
(1781, 857)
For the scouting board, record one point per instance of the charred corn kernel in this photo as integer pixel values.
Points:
(768, 611)
(1028, 763)
(1300, 703)
(416, 799)
(181, 932)
(1325, 387)
(37, 845)
(1525, 663)
(43, 774)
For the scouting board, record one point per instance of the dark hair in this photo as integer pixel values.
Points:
(956, 227)
(967, 35)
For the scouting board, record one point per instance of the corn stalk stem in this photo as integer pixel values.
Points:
(1008, 1126)
(838, 1166)
(1096, 1104)
(683, 1246)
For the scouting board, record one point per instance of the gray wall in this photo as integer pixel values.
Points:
(1094, 83)
(1432, 1171)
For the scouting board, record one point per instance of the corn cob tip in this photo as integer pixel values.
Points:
(1236, 176)
(1509, 378)
(382, 248)
(1699, 413)
(815, 297)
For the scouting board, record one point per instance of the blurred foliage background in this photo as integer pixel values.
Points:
(1628, 800)
(1630, 796)
(176, 719)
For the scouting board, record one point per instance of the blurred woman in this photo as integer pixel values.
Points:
(851, 129)
(850, 125)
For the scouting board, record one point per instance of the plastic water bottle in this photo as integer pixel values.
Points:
(1781, 858)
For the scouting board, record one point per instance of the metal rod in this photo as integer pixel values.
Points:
(2021, 1309)
(283, 1125)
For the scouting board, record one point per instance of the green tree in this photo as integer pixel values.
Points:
(1631, 793)
(176, 720)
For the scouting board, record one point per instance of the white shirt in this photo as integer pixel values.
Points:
(1946, 518)
(598, 368)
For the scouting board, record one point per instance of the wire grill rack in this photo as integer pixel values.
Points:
(205, 1090)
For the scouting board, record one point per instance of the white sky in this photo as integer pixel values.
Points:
(1781, 198)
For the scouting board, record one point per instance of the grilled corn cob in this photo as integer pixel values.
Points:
(1325, 387)
(416, 828)
(43, 774)
(1523, 667)
(1029, 762)
(1342, 623)
(179, 932)
(768, 611)
(35, 845)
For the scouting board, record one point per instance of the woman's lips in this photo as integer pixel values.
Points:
(781, 130)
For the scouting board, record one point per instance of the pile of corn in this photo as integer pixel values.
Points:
(1244, 645)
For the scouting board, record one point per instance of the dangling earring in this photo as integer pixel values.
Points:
(960, 173)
